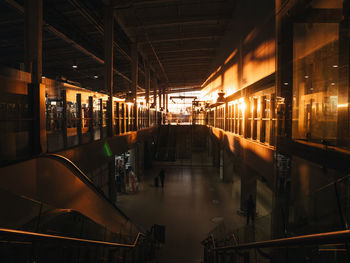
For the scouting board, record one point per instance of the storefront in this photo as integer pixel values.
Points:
(125, 176)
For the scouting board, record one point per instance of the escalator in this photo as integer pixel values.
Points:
(56, 181)
(49, 202)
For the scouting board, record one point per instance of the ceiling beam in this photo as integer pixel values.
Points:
(65, 38)
(179, 37)
(78, 5)
(184, 50)
(183, 65)
(122, 4)
(166, 59)
(176, 21)
(205, 43)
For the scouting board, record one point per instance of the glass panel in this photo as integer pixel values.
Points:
(327, 3)
(316, 79)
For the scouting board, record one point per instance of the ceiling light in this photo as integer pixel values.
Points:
(285, 83)
(335, 66)
(306, 76)
(221, 98)
(74, 66)
(95, 77)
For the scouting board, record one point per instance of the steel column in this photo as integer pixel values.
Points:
(147, 89)
(91, 118)
(33, 13)
(79, 117)
(64, 118)
(101, 118)
(134, 79)
(108, 45)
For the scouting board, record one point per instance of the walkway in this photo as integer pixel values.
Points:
(192, 201)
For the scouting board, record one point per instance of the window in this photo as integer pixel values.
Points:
(316, 81)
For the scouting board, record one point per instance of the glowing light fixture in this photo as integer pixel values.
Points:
(221, 98)
(285, 83)
(342, 105)
(74, 66)
(335, 66)
(96, 77)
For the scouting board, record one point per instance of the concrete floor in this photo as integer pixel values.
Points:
(191, 203)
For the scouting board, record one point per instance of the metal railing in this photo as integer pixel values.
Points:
(15, 235)
(217, 254)
(82, 176)
(24, 246)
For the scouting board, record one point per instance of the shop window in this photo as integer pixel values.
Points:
(315, 81)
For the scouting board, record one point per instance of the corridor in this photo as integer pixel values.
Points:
(192, 202)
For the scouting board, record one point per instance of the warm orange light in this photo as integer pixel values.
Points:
(231, 56)
(242, 105)
(259, 63)
(345, 105)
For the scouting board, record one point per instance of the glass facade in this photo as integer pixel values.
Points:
(316, 81)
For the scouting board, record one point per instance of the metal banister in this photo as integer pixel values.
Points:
(77, 171)
(46, 237)
(321, 238)
(82, 176)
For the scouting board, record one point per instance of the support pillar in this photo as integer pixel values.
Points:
(108, 45)
(33, 13)
(160, 97)
(155, 89)
(166, 102)
(134, 80)
(79, 117)
(91, 118)
(101, 119)
(117, 112)
(64, 118)
(147, 89)
(112, 186)
(164, 105)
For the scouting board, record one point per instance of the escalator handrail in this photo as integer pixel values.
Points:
(33, 236)
(312, 239)
(79, 173)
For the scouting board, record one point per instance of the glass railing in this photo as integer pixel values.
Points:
(326, 210)
(73, 116)
(37, 232)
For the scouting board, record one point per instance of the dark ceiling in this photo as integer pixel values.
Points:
(178, 38)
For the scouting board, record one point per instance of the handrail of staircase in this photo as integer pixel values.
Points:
(312, 239)
(33, 236)
(88, 181)
(83, 177)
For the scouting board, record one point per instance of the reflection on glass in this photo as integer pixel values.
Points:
(316, 78)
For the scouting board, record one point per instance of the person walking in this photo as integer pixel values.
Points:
(250, 210)
(161, 176)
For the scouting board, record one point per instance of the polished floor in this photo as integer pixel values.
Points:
(191, 204)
